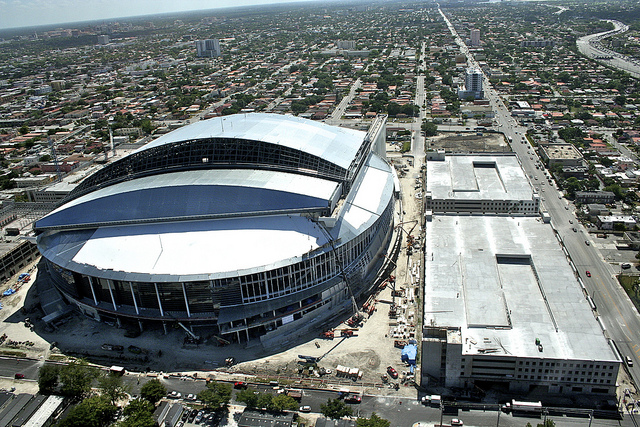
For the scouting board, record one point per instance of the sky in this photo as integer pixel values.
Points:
(27, 13)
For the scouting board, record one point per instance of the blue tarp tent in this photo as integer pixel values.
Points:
(409, 353)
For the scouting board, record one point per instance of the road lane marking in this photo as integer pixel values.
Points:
(600, 282)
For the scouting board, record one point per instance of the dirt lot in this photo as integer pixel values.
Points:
(469, 142)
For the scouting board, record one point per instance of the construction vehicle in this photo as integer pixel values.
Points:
(346, 333)
(355, 320)
(221, 341)
(328, 335)
(193, 338)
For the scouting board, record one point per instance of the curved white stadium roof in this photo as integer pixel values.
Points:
(334, 144)
(213, 223)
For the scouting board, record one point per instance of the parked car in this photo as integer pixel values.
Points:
(392, 372)
(353, 398)
(629, 361)
(305, 408)
(588, 273)
(240, 385)
(456, 422)
(175, 395)
(19, 376)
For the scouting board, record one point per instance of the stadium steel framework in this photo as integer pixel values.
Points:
(259, 226)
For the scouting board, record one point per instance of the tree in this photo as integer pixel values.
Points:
(547, 423)
(429, 128)
(76, 378)
(92, 412)
(374, 421)
(249, 398)
(335, 409)
(282, 402)
(216, 395)
(47, 378)
(138, 413)
(153, 391)
(264, 400)
(111, 386)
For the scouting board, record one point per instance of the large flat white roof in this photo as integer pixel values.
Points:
(504, 282)
(478, 177)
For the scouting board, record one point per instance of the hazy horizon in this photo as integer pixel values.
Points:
(31, 13)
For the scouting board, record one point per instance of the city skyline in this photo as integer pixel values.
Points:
(32, 13)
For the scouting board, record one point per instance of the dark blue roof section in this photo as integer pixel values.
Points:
(176, 202)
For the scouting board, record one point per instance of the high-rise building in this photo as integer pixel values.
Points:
(209, 48)
(475, 37)
(103, 39)
(473, 80)
(346, 44)
(473, 84)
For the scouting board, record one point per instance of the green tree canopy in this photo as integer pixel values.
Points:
(153, 391)
(282, 402)
(92, 412)
(374, 421)
(335, 409)
(112, 387)
(76, 378)
(249, 398)
(138, 413)
(47, 378)
(216, 395)
(429, 128)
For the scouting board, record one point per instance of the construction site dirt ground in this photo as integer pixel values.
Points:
(371, 349)
(469, 143)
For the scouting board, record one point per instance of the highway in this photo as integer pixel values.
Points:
(616, 310)
(590, 46)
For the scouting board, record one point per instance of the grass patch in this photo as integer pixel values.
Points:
(57, 357)
(13, 353)
(631, 285)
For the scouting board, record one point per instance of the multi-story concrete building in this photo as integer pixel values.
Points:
(346, 44)
(472, 84)
(209, 48)
(503, 306)
(479, 184)
(564, 154)
(604, 197)
(474, 36)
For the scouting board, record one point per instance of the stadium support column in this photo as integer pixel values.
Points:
(164, 324)
(93, 292)
(113, 301)
(186, 301)
(135, 304)
(133, 295)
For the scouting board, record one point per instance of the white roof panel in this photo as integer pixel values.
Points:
(202, 247)
(337, 145)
